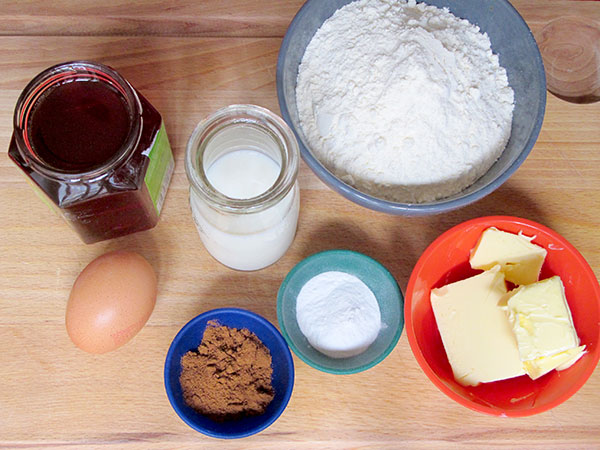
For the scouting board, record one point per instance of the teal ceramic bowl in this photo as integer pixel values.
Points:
(380, 282)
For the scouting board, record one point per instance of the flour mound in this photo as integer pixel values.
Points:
(403, 101)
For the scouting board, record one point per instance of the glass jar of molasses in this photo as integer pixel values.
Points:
(94, 148)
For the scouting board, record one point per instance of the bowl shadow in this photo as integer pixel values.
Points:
(338, 235)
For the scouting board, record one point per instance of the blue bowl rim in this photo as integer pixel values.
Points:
(407, 209)
(339, 252)
(214, 313)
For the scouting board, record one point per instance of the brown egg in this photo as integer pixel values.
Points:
(111, 300)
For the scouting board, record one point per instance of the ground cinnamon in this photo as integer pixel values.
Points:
(229, 376)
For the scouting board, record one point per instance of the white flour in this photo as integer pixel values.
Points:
(338, 314)
(403, 101)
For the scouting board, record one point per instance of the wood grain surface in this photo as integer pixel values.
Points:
(190, 58)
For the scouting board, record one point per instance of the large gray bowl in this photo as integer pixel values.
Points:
(517, 50)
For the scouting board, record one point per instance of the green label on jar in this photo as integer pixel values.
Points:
(43, 196)
(160, 169)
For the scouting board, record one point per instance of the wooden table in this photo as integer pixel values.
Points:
(190, 58)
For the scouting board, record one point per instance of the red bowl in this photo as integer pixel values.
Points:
(447, 260)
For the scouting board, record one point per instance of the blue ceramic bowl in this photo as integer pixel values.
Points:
(380, 282)
(190, 336)
(517, 50)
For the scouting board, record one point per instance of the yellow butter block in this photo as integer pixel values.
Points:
(519, 258)
(559, 361)
(541, 319)
(475, 330)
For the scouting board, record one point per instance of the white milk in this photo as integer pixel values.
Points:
(247, 241)
(243, 174)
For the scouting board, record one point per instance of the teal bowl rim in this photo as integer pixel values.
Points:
(309, 260)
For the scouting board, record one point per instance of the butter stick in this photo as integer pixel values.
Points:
(475, 331)
(559, 361)
(520, 259)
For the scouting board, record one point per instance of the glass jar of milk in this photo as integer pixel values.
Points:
(242, 164)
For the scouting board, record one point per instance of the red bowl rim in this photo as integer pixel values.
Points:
(412, 339)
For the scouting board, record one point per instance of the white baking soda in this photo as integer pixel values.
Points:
(338, 314)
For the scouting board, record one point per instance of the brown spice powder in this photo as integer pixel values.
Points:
(229, 376)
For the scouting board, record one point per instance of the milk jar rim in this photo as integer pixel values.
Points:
(235, 115)
(68, 72)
